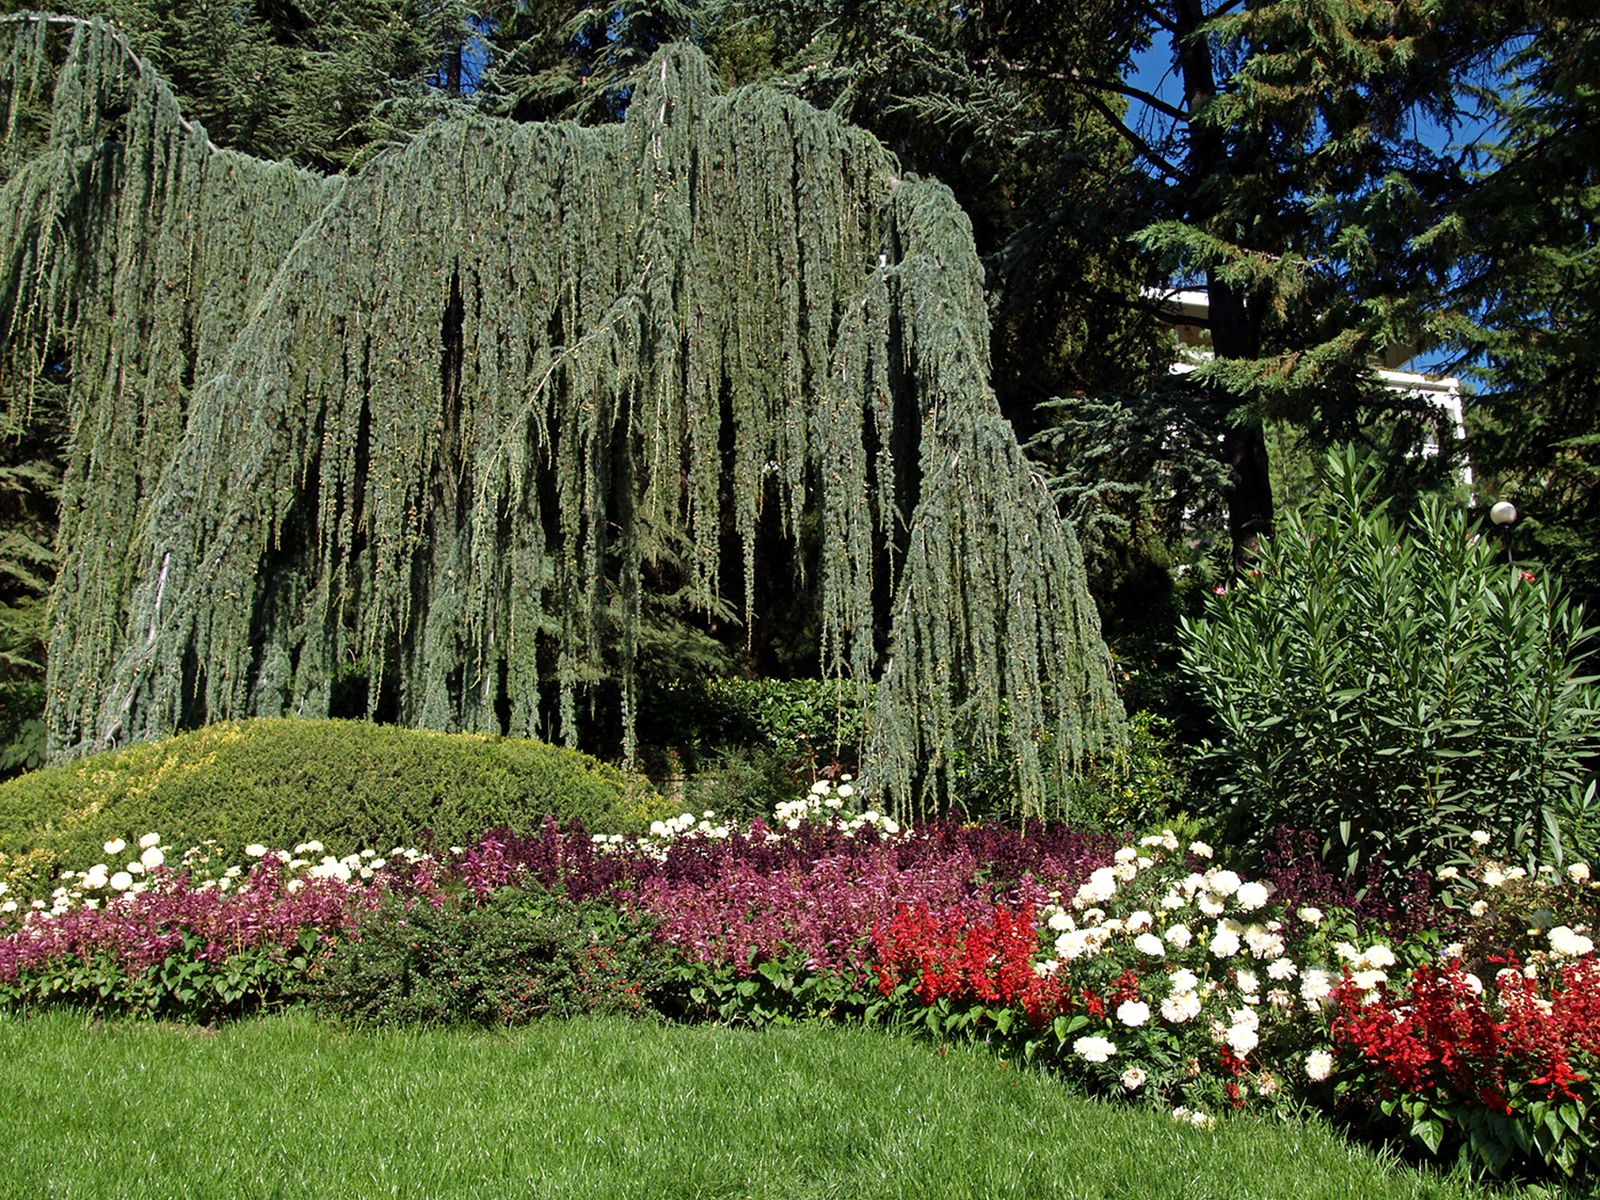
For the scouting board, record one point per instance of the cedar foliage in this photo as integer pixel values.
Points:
(449, 415)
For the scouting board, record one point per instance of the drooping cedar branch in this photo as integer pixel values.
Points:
(445, 414)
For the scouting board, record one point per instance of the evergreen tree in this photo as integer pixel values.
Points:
(449, 414)
(1524, 305)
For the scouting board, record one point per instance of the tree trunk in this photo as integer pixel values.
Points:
(1235, 329)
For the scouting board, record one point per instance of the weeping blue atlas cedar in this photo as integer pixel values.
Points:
(451, 414)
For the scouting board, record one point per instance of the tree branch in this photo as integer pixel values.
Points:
(139, 64)
(1121, 129)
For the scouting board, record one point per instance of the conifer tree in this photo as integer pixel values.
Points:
(1524, 301)
(446, 415)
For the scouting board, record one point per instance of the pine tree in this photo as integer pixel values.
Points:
(1523, 302)
(446, 415)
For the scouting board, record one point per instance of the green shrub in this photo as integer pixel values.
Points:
(350, 784)
(807, 721)
(1141, 789)
(1394, 688)
(523, 953)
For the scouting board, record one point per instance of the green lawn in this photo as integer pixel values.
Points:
(286, 1106)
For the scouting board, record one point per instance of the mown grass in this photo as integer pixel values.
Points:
(287, 1106)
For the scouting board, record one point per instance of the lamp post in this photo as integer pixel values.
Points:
(1504, 514)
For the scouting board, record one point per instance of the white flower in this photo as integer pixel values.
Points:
(1247, 983)
(1244, 1018)
(1183, 980)
(1242, 1040)
(1493, 877)
(1101, 886)
(1200, 849)
(821, 788)
(846, 791)
(1368, 980)
(1180, 1007)
(1478, 907)
(149, 840)
(1346, 952)
(1315, 985)
(1125, 872)
(1319, 1065)
(1171, 902)
(121, 881)
(115, 847)
(1138, 921)
(1473, 982)
(1149, 943)
(1281, 969)
(1224, 944)
(1060, 921)
(1448, 873)
(10, 906)
(1278, 998)
(1133, 1013)
(1133, 1079)
(1126, 854)
(1078, 942)
(1481, 837)
(1578, 872)
(1178, 937)
(1252, 895)
(1376, 956)
(1310, 915)
(1569, 944)
(1210, 904)
(152, 858)
(255, 850)
(1263, 943)
(1095, 1048)
(1223, 883)
(1200, 1120)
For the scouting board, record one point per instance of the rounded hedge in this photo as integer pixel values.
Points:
(349, 784)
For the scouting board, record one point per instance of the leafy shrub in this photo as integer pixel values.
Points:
(350, 783)
(808, 722)
(22, 732)
(1395, 688)
(519, 954)
(1144, 787)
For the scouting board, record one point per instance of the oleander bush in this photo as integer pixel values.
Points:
(281, 781)
(1395, 686)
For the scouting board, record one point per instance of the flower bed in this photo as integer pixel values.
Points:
(1467, 1021)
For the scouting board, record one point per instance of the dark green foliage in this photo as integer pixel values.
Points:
(521, 954)
(1394, 687)
(740, 747)
(451, 415)
(1142, 789)
(321, 83)
(1523, 302)
(810, 721)
(350, 784)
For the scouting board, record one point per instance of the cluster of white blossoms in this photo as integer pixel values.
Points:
(147, 864)
(828, 801)
(825, 803)
(1212, 959)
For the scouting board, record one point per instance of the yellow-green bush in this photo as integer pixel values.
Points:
(350, 784)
